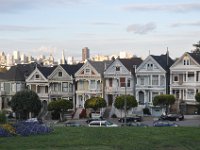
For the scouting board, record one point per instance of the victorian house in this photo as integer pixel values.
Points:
(185, 82)
(152, 79)
(13, 81)
(51, 83)
(89, 80)
(38, 82)
(120, 79)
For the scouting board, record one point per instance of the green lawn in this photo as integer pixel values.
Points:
(86, 138)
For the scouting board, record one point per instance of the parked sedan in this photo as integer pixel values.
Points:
(172, 117)
(94, 119)
(160, 123)
(131, 119)
(134, 124)
(72, 124)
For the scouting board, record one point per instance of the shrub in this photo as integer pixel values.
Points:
(83, 114)
(114, 116)
(146, 111)
(9, 128)
(2, 118)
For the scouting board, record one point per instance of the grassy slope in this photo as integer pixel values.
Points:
(109, 138)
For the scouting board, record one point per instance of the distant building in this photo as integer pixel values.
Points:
(85, 53)
(70, 60)
(63, 60)
(16, 57)
(100, 58)
(124, 54)
(2, 58)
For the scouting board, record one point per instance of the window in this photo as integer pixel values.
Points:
(186, 60)
(2, 86)
(81, 82)
(190, 94)
(60, 74)
(162, 80)
(190, 76)
(141, 80)
(64, 86)
(155, 80)
(176, 78)
(110, 82)
(128, 82)
(117, 68)
(46, 89)
(92, 84)
(87, 71)
(18, 87)
(13, 87)
(122, 82)
(37, 76)
(70, 87)
(149, 66)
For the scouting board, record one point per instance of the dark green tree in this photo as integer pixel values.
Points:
(164, 101)
(197, 98)
(25, 102)
(120, 102)
(60, 106)
(95, 103)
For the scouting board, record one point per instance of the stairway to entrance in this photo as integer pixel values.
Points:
(78, 111)
(107, 111)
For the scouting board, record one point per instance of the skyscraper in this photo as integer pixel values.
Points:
(85, 53)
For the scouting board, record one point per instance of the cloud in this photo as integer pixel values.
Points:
(13, 6)
(184, 7)
(180, 24)
(21, 28)
(141, 29)
(104, 23)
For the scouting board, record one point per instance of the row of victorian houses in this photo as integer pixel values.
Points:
(108, 79)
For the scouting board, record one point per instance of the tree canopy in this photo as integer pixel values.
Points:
(197, 98)
(120, 102)
(95, 103)
(164, 100)
(60, 106)
(25, 102)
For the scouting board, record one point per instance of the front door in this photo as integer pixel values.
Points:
(110, 100)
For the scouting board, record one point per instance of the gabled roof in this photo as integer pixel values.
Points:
(164, 61)
(18, 72)
(129, 63)
(71, 69)
(195, 56)
(100, 66)
(46, 71)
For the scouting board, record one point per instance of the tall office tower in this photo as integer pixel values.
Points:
(9, 60)
(70, 60)
(63, 60)
(2, 58)
(16, 57)
(23, 58)
(85, 53)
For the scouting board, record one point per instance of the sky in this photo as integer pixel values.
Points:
(106, 27)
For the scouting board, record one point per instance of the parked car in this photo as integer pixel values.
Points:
(161, 123)
(94, 119)
(135, 118)
(32, 120)
(102, 123)
(134, 124)
(72, 124)
(172, 117)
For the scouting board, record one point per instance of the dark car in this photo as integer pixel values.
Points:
(161, 123)
(94, 119)
(72, 124)
(134, 124)
(172, 117)
(131, 119)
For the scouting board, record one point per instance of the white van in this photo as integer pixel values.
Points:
(102, 123)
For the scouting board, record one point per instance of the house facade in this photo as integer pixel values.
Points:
(185, 82)
(152, 79)
(13, 81)
(89, 81)
(120, 79)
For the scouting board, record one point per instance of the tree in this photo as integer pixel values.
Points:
(197, 47)
(3, 69)
(197, 98)
(25, 102)
(164, 100)
(95, 103)
(60, 106)
(120, 102)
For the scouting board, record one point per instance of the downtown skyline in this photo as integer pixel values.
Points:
(105, 27)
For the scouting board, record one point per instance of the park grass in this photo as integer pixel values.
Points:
(122, 138)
